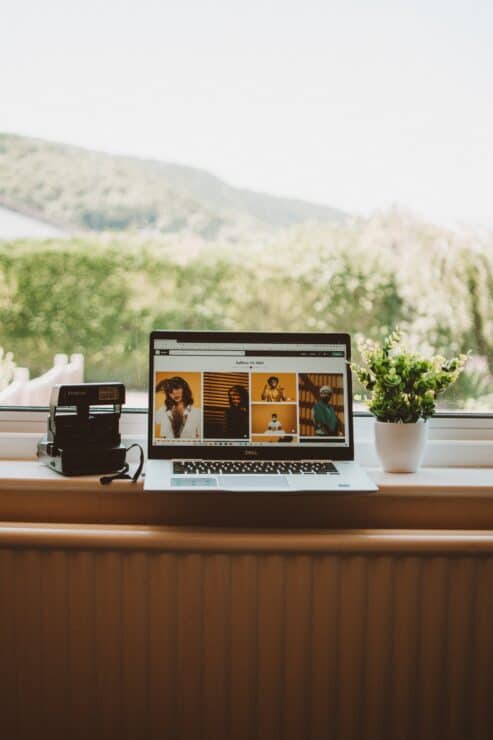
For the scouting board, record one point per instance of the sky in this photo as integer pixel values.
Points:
(355, 104)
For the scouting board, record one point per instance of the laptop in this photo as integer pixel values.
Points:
(238, 411)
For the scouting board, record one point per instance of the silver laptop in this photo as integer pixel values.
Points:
(239, 411)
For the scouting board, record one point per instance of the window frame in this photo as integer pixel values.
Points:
(455, 439)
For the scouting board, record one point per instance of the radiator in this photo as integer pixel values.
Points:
(141, 637)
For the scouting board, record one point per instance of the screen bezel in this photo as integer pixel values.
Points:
(252, 452)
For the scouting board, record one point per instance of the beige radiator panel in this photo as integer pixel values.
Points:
(126, 633)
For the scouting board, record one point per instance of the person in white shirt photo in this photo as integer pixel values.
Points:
(274, 424)
(178, 418)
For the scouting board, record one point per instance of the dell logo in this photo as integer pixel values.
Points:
(251, 453)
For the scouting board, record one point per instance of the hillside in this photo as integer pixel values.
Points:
(79, 190)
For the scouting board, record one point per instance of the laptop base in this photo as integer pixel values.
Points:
(160, 476)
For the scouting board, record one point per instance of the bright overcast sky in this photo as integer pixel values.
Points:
(354, 103)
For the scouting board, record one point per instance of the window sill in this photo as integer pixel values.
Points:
(439, 499)
(30, 474)
(430, 480)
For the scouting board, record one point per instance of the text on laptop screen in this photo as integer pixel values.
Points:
(249, 394)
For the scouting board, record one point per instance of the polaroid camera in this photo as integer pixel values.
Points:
(83, 429)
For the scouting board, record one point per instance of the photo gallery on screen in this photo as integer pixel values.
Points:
(286, 407)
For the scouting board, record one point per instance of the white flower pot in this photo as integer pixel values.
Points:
(400, 447)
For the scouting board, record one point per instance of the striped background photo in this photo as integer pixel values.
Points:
(309, 385)
(216, 400)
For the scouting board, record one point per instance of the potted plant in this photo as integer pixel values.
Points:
(404, 386)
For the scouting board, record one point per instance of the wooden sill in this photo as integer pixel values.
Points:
(453, 498)
(29, 474)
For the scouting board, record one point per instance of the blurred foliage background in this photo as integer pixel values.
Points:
(101, 295)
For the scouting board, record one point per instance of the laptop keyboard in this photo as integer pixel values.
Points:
(263, 467)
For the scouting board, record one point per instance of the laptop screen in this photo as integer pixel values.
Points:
(229, 391)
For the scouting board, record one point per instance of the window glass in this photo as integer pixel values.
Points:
(322, 166)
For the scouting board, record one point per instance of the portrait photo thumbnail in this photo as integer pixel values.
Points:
(178, 405)
(321, 404)
(274, 419)
(273, 387)
(226, 406)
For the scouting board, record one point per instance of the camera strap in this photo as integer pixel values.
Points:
(123, 472)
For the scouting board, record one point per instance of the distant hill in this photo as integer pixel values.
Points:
(75, 189)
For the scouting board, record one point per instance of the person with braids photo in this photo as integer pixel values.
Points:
(236, 415)
(178, 418)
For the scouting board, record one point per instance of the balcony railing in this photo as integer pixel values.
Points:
(36, 392)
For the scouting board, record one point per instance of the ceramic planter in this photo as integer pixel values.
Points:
(400, 447)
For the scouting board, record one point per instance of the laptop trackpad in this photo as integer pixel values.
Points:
(253, 481)
(192, 482)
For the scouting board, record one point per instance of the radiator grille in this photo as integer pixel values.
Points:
(110, 644)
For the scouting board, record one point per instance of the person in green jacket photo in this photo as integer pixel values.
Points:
(323, 415)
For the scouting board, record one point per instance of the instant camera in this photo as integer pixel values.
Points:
(83, 429)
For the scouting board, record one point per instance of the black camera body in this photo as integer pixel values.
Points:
(83, 429)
